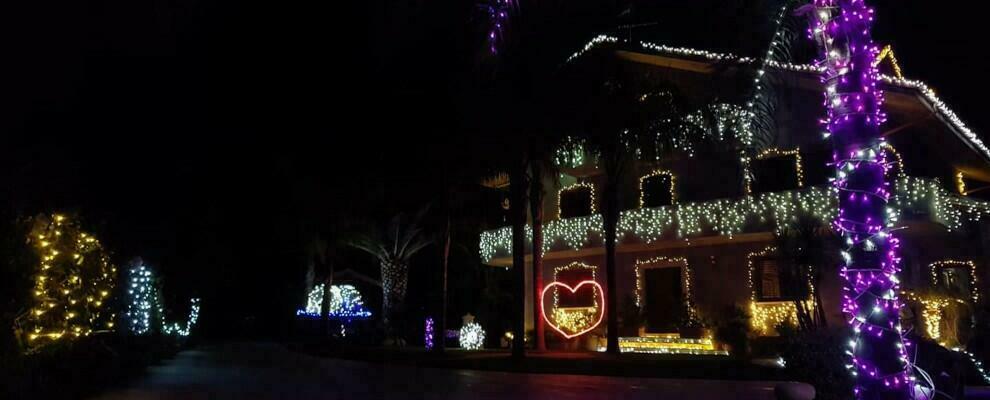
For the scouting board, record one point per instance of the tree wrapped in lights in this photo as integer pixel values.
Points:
(143, 300)
(72, 284)
(393, 247)
(853, 99)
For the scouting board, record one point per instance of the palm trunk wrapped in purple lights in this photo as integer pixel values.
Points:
(877, 350)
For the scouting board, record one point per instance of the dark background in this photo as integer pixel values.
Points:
(213, 137)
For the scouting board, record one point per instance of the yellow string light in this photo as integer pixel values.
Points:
(974, 290)
(888, 54)
(61, 281)
(773, 153)
(577, 186)
(658, 172)
(667, 262)
(574, 319)
(960, 183)
(767, 315)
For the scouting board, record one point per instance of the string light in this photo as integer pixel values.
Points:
(888, 54)
(72, 283)
(471, 336)
(976, 363)
(973, 287)
(663, 262)
(143, 300)
(670, 176)
(772, 153)
(728, 217)
(766, 316)
(659, 344)
(428, 333)
(929, 95)
(960, 183)
(854, 105)
(185, 330)
(577, 186)
(345, 302)
(571, 326)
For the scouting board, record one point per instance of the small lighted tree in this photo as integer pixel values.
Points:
(72, 284)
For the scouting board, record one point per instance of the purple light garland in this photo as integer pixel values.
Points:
(428, 333)
(877, 350)
(498, 14)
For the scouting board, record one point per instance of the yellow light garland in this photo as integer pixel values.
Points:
(767, 315)
(772, 153)
(574, 319)
(667, 262)
(960, 183)
(577, 186)
(888, 54)
(658, 172)
(974, 290)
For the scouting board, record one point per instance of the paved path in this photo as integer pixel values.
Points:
(269, 371)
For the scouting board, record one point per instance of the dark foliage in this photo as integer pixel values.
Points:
(732, 328)
(818, 358)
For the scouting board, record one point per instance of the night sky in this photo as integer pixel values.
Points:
(211, 137)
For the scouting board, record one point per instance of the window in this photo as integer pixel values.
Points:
(956, 278)
(774, 171)
(770, 280)
(657, 189)
(573, 274)
(577, 200)
(777, 281)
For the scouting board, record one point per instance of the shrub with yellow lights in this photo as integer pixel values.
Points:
(72, 285)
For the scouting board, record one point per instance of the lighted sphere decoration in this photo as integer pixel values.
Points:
(72, 283)
(472, 337)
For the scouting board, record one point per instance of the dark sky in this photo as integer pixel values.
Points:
(208, 136)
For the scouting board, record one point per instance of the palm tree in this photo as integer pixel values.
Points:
(626, 120)
(803, 246)
(393, 246)
(855, 112)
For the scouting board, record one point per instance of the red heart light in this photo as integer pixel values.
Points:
(574, 289)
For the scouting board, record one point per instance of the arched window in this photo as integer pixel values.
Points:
(657, 189)
(577, 200)
(775, 170)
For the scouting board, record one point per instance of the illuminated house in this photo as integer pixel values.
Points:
(698, 230)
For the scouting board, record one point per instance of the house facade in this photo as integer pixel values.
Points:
(700, 231)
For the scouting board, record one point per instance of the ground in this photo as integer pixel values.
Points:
(270, 371)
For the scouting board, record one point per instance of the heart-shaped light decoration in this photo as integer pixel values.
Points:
(601, 307)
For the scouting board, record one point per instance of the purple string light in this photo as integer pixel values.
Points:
(498, 14)
(877, 350)
(428, 333)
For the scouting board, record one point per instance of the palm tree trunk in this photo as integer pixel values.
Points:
(394, 279)
(611, 220)
(536, 211)
(855, 111)
(517, 207)
(438, 334)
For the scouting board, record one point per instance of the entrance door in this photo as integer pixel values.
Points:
(664, 299)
